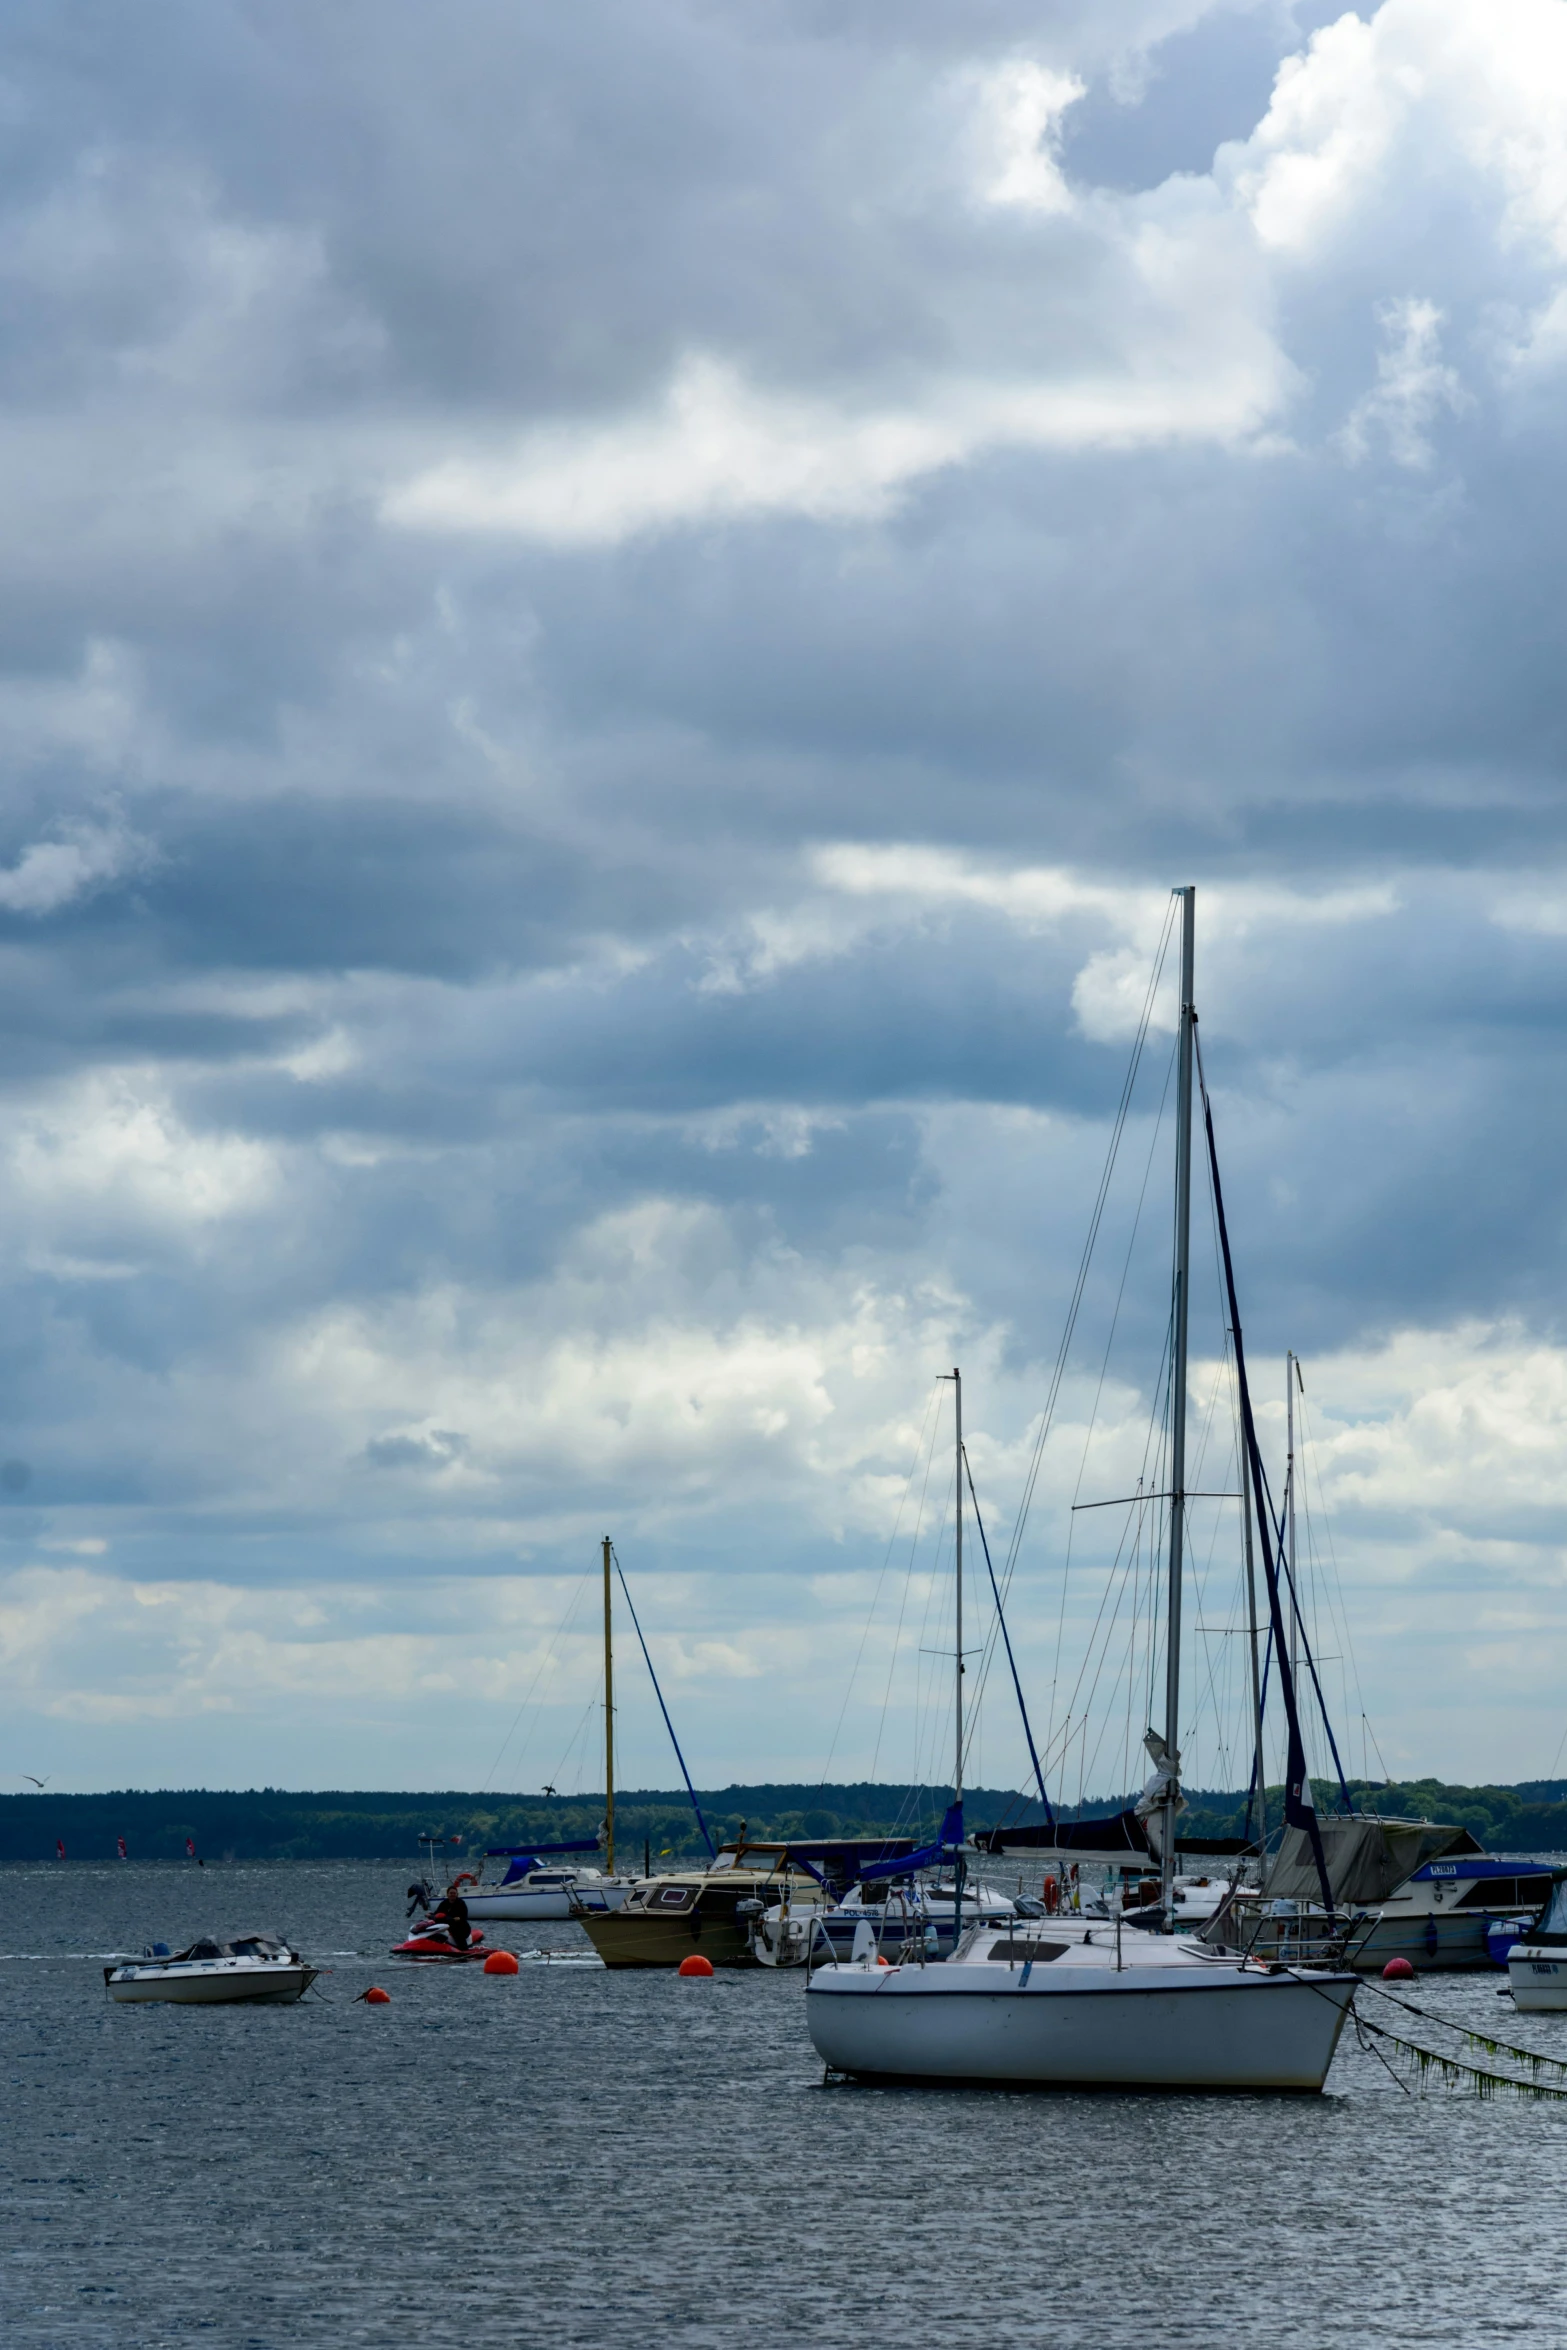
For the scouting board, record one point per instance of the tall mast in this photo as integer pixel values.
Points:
(1181, 1302)
(957, 1678)
(1289, 1512)
(957, 1413)
(1256, 1671)
(609, 1722)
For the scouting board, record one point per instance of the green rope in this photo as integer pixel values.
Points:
(1537, 2063)
(1452, 2074)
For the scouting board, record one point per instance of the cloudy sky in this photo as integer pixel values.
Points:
(617, 621)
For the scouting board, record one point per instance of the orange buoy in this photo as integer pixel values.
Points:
(883, 1961)
(376, 1997)
(696, 1964)
(1398, 1970)
(500, 1962)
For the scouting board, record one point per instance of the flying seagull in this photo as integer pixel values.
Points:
(40, 1784)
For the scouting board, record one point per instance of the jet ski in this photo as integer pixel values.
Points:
(445, 1933)
(432, 1940)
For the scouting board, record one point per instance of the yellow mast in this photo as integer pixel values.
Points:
(609, 1723)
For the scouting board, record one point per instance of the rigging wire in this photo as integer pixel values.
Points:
(881, 1578)
(662, 1707)
(571, 1755)
(1104, 1366)
(1337, 1605)
(1039, 1776)
(559, 1633)
(1123, 1109)
(933, 1424)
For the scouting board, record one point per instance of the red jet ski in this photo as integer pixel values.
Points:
(432, 1937)
(433, 1941)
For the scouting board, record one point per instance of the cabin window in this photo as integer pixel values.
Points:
(673, 1896)
(1040, 1952)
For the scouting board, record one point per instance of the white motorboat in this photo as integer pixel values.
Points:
(209, 1973)
(1537, 1964)
(1416, 1889)
(909, 1916)
(1077, 2004)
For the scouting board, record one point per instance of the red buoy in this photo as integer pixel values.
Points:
(376, 1997)
(1398, 1970)
(696, 1964)
(500, 1962)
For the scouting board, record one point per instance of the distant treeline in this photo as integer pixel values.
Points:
(267, 1824)
(1529, 1817)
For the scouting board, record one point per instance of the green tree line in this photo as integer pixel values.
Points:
(270, 1824)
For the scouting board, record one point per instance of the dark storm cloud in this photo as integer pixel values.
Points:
(453, 1093)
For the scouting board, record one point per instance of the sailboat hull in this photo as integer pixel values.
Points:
(521, 1905)
(1239, 2030)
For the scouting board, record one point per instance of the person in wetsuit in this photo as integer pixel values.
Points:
(453, 1914)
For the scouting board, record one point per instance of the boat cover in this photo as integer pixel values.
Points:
(243, 1946)
(1367, 1858)
(1122, 1835)
(949, 1839)
(1551, 1924)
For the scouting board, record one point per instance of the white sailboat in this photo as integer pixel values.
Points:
(1070, 2002)
(546, 1883)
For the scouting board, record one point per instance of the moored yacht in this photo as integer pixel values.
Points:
(537, 1886)
(707, 1910)
(1416, 1889)
(1095, 2003)
(1080, 2004)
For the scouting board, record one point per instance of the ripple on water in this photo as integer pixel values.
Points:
(572, 2157)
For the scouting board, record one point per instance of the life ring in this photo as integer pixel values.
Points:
(468, 1877)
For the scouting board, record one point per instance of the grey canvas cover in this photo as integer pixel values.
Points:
(1551, 1924)
(1367, 1858)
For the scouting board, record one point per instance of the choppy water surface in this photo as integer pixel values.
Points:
(575, 2157)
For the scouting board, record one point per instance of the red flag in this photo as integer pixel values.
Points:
(120, 1841)
(59, 1845)
(190, 1846)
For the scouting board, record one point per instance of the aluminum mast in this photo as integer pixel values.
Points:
(1181, 1303)
(957, 1681)
(609, 1724)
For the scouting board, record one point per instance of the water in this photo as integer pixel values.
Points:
(571, 2157)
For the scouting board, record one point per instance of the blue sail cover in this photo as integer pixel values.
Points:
(949, 1840)
(525, 1857)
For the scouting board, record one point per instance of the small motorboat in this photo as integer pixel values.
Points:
(1500, 1936)
(209, 1973)
(910, 1917)
(1537, 1961)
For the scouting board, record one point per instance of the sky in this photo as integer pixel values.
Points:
(616, 624)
